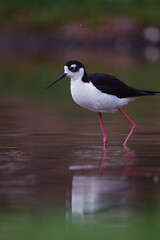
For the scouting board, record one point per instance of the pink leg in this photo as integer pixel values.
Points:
(105, 140)
(132, 129)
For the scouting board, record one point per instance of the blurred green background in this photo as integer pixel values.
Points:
(38, 37)
(40, 12)
(52, 225)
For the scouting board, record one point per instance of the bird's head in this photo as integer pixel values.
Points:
(72, 69)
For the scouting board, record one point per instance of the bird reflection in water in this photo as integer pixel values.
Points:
(129, 156)
(107, 187)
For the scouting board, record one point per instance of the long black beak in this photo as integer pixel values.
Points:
(62, 76)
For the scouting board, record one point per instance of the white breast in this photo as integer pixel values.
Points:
(88, 96)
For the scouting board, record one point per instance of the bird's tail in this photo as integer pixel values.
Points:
(150, 92)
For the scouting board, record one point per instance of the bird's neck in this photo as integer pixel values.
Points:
(85, 77)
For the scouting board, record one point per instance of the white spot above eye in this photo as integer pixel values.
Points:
(73, 65)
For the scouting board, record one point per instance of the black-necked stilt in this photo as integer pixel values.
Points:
(100, 92)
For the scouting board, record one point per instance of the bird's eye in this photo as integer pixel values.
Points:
(71, 69)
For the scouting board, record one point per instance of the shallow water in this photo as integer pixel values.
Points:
(56, 175)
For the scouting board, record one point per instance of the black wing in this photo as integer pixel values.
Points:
(112, 85)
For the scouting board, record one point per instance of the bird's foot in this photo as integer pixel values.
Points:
(125, 144)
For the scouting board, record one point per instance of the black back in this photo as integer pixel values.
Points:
(111, 85)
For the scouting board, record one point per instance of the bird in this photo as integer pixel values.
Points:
(101, 93)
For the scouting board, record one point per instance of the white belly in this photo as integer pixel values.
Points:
(88, 96)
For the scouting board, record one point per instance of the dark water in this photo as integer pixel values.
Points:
(58, 181)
